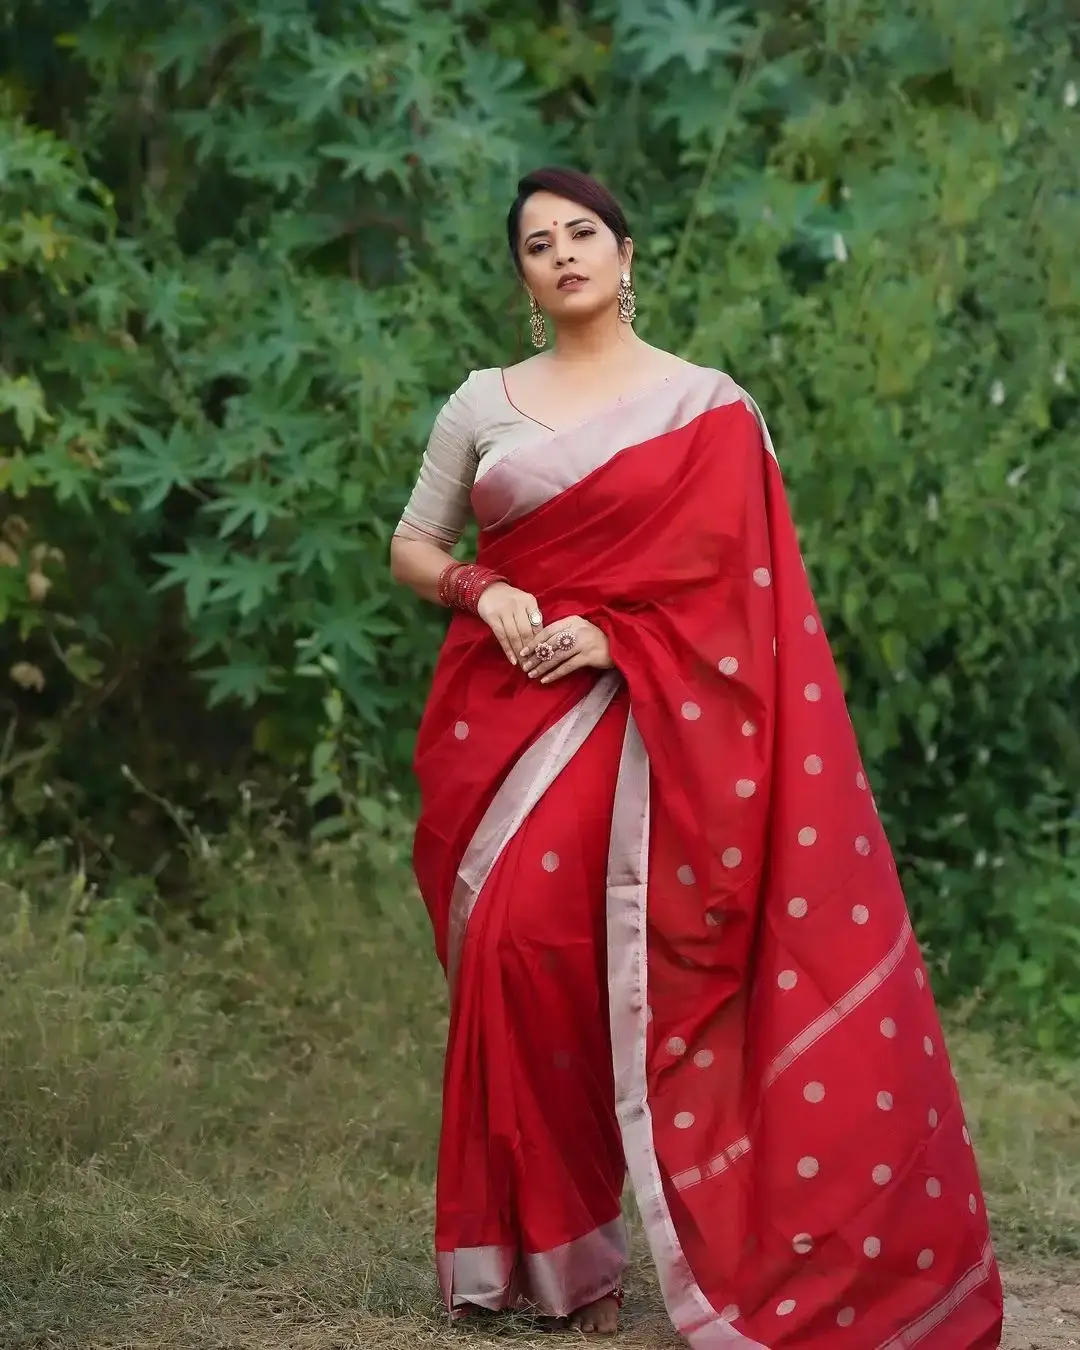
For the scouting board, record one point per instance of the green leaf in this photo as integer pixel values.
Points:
(24, 399)
(692, 33)
(250, 581)
(253, 505)
(157, 465)
(243, 680)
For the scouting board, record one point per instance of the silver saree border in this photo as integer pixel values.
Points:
(691, 1313)
(557, 1281)
(584, 1269)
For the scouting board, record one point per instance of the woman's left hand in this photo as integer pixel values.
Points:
(563, 647)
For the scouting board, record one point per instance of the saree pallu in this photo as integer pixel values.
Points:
(674, 932)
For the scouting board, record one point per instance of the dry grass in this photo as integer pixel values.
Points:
(231, 1146)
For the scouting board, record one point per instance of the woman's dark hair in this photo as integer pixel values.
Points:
(575, 187)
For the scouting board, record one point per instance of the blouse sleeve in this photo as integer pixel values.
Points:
(439, 507)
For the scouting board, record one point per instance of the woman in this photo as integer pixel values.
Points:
(673, 930)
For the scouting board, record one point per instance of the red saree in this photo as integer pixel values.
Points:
(673, 928)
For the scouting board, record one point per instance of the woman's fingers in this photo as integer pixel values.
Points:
(574, 661)
(506, 639)
(539, 636)
(549, 655)
(523, 629)
(546, 637)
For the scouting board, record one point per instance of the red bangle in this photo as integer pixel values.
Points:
(462, 584)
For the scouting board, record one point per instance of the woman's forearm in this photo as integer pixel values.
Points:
(418, 564)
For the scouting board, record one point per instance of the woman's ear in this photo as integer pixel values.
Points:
(626, 253)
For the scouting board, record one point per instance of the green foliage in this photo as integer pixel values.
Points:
(247, 250)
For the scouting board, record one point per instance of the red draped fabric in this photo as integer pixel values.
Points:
(676, 939)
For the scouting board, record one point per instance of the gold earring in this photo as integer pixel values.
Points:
(537, 326)
(627, 299)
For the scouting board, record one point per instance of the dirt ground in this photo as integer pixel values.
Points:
(1042, 1310)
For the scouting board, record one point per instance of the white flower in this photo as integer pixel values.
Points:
(1015, 476)
(932, 507)
(980, 858)
(1071, 95)
(931, 752)
(997, 393)
(1060, 374)
(839, 248)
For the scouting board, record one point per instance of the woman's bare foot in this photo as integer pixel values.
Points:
(599, 1318)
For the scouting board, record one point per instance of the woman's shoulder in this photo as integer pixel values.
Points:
(724, 386)
(477, 385)
(672, 364)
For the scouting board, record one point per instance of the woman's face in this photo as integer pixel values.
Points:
(571, 261)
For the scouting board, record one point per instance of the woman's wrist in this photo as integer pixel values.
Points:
(462, 584)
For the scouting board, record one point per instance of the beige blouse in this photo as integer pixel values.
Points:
(474, 430)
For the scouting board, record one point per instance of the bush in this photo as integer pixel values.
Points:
(247, 251)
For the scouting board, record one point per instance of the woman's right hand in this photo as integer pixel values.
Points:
(512, 615)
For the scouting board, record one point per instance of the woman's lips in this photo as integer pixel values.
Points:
(573, 283)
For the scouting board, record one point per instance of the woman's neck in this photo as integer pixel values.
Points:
(604, 340)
